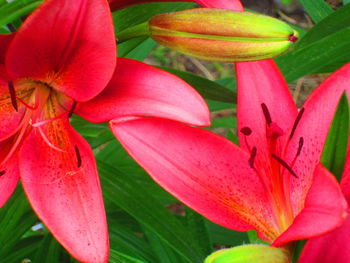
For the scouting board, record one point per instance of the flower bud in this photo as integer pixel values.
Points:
(250, 254)
(222, 35)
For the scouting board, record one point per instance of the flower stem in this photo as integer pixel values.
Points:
(139, 30)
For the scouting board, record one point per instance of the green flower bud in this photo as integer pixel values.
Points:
(222, 35)
(250, 254)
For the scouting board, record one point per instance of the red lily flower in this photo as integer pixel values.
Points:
(272, 183)
(60, 59)
(228, 4)
(334, 246)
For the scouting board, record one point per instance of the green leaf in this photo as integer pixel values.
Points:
(317, 9)
(164, 252)
(334, 22)
(118, 257)
(198, 229)
(139, 202)
(49, 250)
(16, 218)
(325, 47)
(138, 14)
(207, 88)
(313, 57)
(142, 50)
(334, 151)
(24, 248)
(125, 241)
(10, 12)
(224, 236)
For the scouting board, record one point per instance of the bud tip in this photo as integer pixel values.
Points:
(293, 38)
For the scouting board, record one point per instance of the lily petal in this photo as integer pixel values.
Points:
(261, 83)
(313, 127)
(329, 248)
(345, 181)
(325, 209)
(10, 118)
(228, 4)
(9, 176)
(205, 171)
(137, 89)
(69, 46)
(4, 43)
(64, 189)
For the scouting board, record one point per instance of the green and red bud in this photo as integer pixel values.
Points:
(250, 254)
(222, 35)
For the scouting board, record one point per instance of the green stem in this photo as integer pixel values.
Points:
(139, 30)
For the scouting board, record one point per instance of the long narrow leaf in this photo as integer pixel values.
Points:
(334, 151)
(138, 202)
(317, 9)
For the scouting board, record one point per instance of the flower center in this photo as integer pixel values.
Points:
(43, 106)
(274, 172)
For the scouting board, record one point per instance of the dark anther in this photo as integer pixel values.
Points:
(246, 131)
(266, 113)
(2, 172)
(71, 111)
(285, 165)
(301, 143)
(77, 153)
(293, 38)
(11, 28)
(252, 157)
(13, 95)
(296, 122)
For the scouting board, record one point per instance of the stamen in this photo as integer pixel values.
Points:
(48, 141)
(301, 143)
(266, 114)
(296, 122)
(13, 95)
(284, 164)
(41, 123)
(246, 131)
(34, 107)
(71, 111)
(77, 153)
(252, 157)
(2, 172)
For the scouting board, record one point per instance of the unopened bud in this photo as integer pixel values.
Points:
(222, 35)
(250, 254)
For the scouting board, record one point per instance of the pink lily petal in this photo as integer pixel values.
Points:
(333, 247)
(325, 209)
(261, 83)
(228, 4)
(149, 92)
(345, 181)
(69, 46)
(205, 171)
(9, 176)
(63, 187)
(313, 127)
(10, 118)
(4, 42)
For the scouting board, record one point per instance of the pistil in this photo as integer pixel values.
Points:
(77, 153)
(12, 94)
